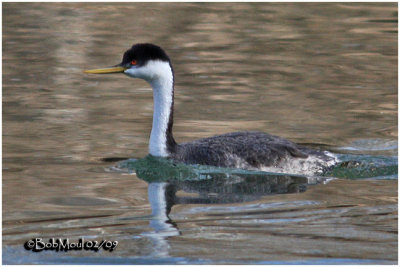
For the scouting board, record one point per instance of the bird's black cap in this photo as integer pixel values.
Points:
(142, 53)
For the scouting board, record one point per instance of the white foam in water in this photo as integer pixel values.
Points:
(309, 166)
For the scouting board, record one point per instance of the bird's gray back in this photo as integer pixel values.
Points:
(238, 149)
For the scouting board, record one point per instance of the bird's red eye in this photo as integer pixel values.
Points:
(133, 62)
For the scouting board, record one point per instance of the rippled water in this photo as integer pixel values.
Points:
(324, 75)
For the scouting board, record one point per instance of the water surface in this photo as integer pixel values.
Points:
(318, 74)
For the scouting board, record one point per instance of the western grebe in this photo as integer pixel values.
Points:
(248, 150)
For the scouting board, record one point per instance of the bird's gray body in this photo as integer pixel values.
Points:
(242, 150)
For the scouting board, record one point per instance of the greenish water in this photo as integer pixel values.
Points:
(319, 74)
(365, 166)
(222, 185)
(154, 169)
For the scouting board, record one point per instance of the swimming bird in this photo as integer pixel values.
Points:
(248, 150)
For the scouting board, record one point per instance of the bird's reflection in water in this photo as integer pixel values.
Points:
(161, 200)
(217, 188)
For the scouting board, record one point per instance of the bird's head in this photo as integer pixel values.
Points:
(145, 61)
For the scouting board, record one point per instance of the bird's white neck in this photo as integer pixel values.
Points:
(162, 82)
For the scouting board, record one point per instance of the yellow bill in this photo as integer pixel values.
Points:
(106, 70)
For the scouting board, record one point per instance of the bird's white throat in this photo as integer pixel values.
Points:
(160, 76)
